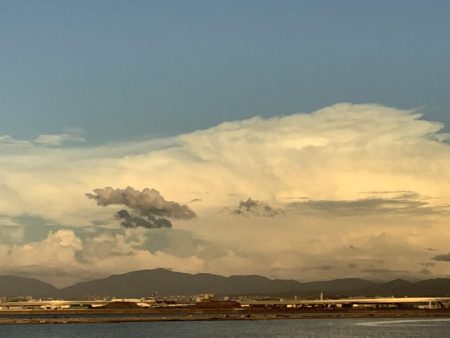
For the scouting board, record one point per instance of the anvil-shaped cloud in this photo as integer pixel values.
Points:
(316, 167)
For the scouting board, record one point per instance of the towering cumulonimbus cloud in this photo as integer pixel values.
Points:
(365, 190)
(147, 208)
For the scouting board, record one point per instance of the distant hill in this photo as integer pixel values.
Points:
(354, 287)
(11, 286)
(336, 286)
(401, 288)
(163, 282)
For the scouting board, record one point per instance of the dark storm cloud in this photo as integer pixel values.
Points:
(251, 207)
(147, 208)
(442, 258)
(130, 221)
(147, 201)
(407, 203)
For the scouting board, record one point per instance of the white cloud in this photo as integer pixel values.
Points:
(8, 139)
(59, 139)
(70, 136)
(63, 255)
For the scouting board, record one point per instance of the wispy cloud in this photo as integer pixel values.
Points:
(56, 140)
(7, 139)
(404, 204)
(70, 136)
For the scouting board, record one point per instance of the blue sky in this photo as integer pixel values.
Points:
(122, 70)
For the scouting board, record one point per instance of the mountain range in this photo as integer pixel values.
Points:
(163, 282)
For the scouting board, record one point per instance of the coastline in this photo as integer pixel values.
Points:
(93, 317)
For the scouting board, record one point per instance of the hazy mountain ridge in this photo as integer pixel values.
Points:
(163, 282)
(12, 286)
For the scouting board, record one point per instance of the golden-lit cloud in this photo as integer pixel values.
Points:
(358, 190)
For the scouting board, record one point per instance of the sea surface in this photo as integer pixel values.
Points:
(384, 328)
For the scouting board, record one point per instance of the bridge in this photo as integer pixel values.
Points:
(432, 302)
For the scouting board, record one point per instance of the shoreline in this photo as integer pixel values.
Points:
(95, 317)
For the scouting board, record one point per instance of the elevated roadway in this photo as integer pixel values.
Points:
(436, 301)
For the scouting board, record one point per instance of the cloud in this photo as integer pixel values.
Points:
(388, 272)
(70, 136)
(319, 267)
(442, 258)
(252, 207)
(55, 140)
(7, 139)
(150, 222)
(57, 252)
(63, 254)
(11, 234)
(148, 208)
(406, 203)
(330, 156)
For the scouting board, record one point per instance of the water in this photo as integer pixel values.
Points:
(385, 328)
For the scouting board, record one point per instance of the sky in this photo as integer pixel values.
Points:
(292, 139)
